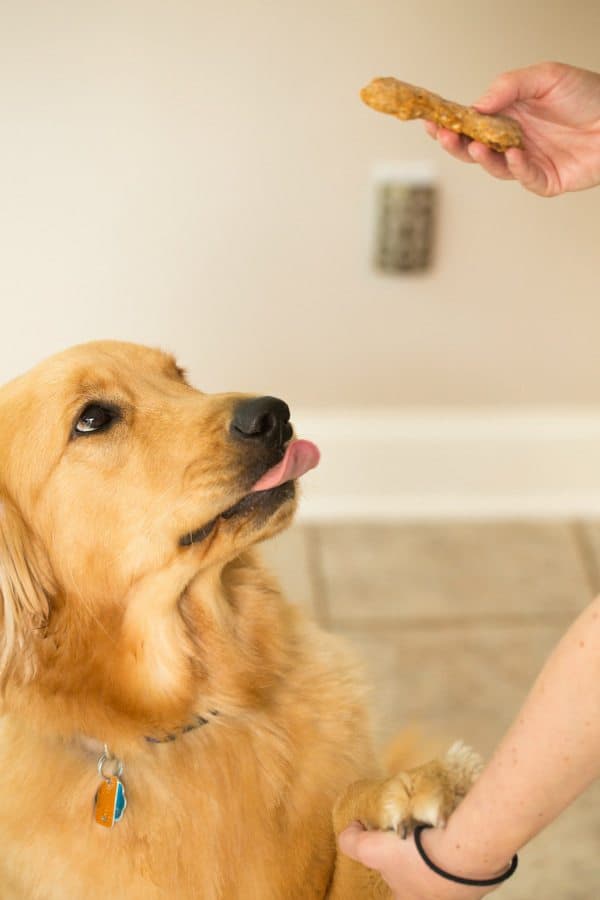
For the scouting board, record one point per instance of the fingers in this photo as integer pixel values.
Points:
(468, 151)
(494, 163)
(454, 144)
(374, 849)
(515, 164)
(529, 173)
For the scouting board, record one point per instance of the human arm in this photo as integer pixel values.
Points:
(558, 108)
(548, 757)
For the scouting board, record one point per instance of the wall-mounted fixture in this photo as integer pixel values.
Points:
(404, 202)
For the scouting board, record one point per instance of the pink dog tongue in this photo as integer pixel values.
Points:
(300, 456)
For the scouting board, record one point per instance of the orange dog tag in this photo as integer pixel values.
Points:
(110, 802)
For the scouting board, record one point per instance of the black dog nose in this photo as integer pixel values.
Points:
(265, 419)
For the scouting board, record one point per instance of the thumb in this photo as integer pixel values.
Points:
(520, 84)
(500, 94)
(374, 849)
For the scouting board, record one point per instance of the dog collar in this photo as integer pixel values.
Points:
(198, 722)
(110, 801)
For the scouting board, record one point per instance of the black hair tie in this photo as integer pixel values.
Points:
(472, 882)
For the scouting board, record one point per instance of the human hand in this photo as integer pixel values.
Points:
(401, 867)
(558, 108)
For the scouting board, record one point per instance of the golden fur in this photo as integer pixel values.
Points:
(111, 631)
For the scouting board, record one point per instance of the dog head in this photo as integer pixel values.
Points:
(115, 473)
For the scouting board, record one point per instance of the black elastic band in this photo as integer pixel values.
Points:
(472, 882)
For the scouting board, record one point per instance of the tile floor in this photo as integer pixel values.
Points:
(453, 622)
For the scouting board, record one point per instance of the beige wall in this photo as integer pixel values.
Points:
(196, 175)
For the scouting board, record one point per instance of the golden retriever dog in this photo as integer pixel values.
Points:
(170, 726)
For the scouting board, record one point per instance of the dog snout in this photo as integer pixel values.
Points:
(264, 420)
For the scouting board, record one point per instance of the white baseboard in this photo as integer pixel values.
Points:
(451, 463)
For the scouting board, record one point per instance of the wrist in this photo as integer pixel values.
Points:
(470, 862)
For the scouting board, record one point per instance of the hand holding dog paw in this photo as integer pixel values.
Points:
(401, 867)
(388, 810)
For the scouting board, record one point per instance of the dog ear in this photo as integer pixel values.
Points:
(24, 594)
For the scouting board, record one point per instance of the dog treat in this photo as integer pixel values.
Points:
(405, 101)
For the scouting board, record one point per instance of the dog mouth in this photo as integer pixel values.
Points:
(272, 489)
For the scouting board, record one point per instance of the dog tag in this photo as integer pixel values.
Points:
(111, 802)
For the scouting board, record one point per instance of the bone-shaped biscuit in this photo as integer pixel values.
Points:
(405, 101)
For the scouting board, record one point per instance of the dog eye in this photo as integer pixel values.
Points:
(94, 418)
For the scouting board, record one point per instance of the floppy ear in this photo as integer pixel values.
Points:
(24, 594)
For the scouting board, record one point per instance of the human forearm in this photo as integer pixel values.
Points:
(549, 756)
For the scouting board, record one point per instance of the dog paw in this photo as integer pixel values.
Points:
(428, 794)
(425, 795)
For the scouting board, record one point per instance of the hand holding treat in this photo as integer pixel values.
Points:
(545, 120)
